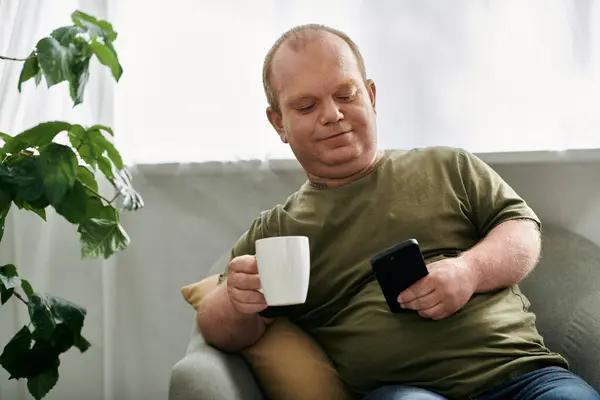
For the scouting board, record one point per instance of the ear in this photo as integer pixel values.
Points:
(372, 90)
(276, 121)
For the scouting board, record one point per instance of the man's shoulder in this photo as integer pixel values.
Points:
(440, 155)
(429, 152)
(271, 217)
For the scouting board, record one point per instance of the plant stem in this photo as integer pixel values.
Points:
(97, 194)
(18, 296)
(13, 59)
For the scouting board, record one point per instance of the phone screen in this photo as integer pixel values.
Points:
(397, 269)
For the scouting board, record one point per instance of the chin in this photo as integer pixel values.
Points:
(340, 156)
(336, 162)
(342, 163)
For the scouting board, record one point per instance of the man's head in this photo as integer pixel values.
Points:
(321, 102)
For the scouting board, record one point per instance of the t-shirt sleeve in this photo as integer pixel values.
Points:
(490, 199)
(245, 244)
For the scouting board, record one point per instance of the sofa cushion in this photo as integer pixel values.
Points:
(563, 292)
(288, 363)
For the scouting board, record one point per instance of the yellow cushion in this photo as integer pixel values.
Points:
(288, 363)
(195, 292)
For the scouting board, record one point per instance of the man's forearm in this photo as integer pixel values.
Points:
(223, 326)
(505, 256)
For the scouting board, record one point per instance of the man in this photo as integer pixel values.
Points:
(470, 333)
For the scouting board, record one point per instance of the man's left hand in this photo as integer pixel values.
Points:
(445, 290)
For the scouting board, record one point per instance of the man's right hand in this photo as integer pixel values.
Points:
(243, 284)
(228, 317)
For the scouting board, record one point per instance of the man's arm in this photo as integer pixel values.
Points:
(228, 316)
(507, 254)
(504, 257)
(223, 326)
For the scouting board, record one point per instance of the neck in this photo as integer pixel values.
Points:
(325, 183)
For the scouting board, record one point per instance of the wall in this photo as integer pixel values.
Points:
(137, 320)
(566, 194)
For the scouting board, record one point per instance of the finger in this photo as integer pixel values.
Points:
(247, 296)
(245, 263)
(414, 292)
(423, 302)
(244, 281)
(248, 301)
(435, 312)
(245, 308)
(443, 316)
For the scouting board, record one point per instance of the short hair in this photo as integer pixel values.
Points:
(298, 36)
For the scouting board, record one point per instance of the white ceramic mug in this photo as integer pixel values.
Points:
(284, 269)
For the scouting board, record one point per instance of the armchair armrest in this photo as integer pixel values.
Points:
(582, 340)
(206, 373)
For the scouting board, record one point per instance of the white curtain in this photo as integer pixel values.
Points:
(487, 75)
(48, 254)
(505, 75)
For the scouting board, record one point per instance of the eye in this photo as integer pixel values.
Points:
(348, 97)
(306, 109)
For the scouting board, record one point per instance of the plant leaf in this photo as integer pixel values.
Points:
(82, 143)
(107, 56)
(31, 68)
(23, 205)
(9, 277)
(98, 210)
(86, 177)
(70, 319)
(5, 203)
(121, 180)
(102, 238)
(6, 137)
(58, 168)
(38, 77)
(82, 344)
(80, 76)
(132, 200)
(67, 312)
(104, 145)
(14, 358)
(102, 128)
(81, 204)
(40, 385)
(41, 317)
(91, 145)
(106, 168)
(70, 38)
(39, 135)
(42, 357)
(73, 206)
(66, 35)
(95, 27)
(55, 60)
(5, 294)
(27, 288)
(28, 183)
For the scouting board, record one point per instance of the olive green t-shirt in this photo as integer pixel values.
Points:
(447, 199)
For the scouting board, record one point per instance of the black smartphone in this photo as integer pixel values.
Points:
(396, 269)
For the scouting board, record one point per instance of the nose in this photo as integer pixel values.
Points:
(331, 113)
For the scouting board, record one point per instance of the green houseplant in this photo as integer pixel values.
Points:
(36, 173)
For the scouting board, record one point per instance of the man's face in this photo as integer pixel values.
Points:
(327, 111)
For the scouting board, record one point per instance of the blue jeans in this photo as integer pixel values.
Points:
(550, 383)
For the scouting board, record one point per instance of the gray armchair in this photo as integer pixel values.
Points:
(564, 291)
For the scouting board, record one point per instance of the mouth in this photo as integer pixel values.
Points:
(337, 135)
